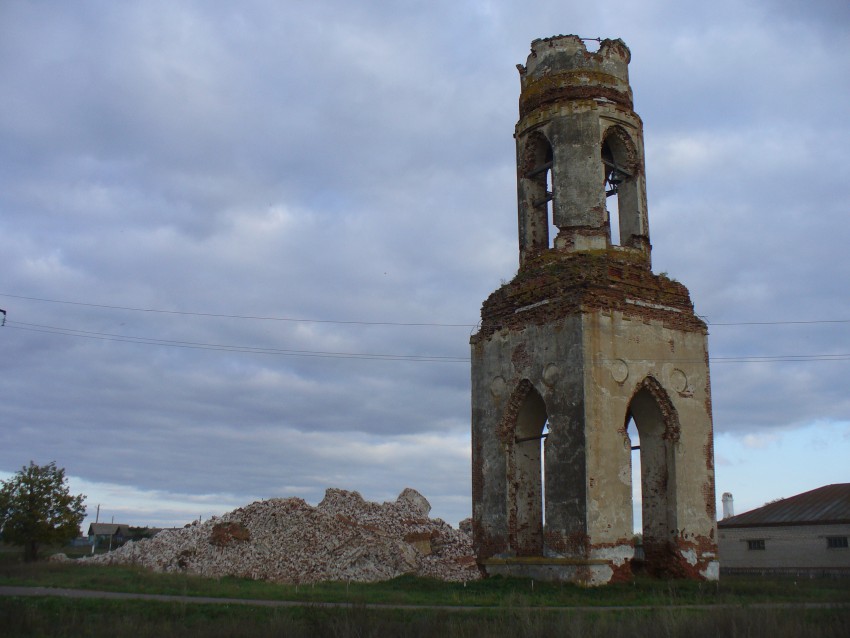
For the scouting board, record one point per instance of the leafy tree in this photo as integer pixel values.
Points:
(37, 508)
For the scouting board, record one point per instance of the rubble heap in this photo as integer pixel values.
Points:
(287, 540)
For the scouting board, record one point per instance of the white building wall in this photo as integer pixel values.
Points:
(785, 547)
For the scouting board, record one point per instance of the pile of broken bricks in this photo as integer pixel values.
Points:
(343, 538)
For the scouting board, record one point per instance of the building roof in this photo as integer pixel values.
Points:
(107, 529)
(825, 505)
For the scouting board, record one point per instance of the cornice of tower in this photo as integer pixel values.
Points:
(555, 285)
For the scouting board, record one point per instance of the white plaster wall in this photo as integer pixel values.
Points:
(785, 547)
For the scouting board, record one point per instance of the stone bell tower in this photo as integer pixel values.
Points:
(585, 343)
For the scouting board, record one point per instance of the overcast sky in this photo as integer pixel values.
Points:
(244, 244)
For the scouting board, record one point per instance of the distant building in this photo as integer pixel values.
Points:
(80, 541)
(806, 534)
(112, 534)
(116, 534)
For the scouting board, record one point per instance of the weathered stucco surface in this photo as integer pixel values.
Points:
(785, 549)
(583, 339)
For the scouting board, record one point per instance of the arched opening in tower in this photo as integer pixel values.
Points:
(529, 474)
(634, 459)
(552, 230)
(655, 434)
(620, 187)
(537, 194)
(613, 179)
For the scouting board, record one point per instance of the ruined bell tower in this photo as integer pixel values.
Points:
(583, 346)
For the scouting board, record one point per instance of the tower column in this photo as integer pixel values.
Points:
(580, 196)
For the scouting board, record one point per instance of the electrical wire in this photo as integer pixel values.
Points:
(775, 323)
(368, 323)
(106, 336)
(253, 317)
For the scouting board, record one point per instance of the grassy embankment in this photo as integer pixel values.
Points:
(509, 607)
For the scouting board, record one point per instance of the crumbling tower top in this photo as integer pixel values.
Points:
(580, 158)
(561, 67)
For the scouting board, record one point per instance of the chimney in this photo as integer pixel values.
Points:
(728, 506)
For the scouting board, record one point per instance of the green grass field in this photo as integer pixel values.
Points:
(61, 617)
(508, 607)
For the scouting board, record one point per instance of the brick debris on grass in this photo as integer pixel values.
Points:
(343, 538)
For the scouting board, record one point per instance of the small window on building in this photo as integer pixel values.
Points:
(836, 542)
(757, 544)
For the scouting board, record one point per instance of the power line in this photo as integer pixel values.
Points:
(779, 358)
(370, 323)
(106, 336)
(253, 317)
(776, 323)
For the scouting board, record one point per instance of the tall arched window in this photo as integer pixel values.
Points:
(536, 194)
(637, 496)
(620, 184)
(527, 480)
(657, 429)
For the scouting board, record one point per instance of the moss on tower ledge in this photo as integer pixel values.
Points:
(555, 284)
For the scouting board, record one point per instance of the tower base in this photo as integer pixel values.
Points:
(589, 572)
